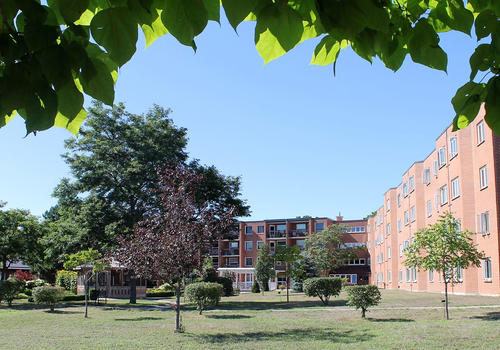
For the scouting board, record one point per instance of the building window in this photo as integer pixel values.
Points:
(414, 274)
(411, 183)
(413, 214)
(426, 176)
(301, 243)
(442, 157)
(437, 202)
(431, 275)
(388, 205)
(248, 230)
(260, 229)
(487, 269)
(435, 168)
(408, 275)
(429, 208)
(485, 223)
(400, 250)
(443, 191)
(301, 227)
(248, 261)
(388, 229)
(407, 218)
(248, 245)
(480, 132)
(453, 147)
(483, 177)
(400, 275)
(459, 274)
(388, 252)
(399, 225)
(319, 226)
(389, 276)
(399, 200)
(405, 189)
(260, 244)
(455, 188)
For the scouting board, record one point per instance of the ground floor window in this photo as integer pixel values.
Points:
(487, 269)
(351, 278)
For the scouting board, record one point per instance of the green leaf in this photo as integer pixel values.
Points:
(95, 51)
(237, 10)
(184, 19)
(485, 24)
(466, 104)
(327, 51)
(38, 36)
(5, 119)
(451, 14)
(278, 30)
(393, 53)
(72, 125)
(72, 10)
(417, 7)
(481, 59)
(213, 10)
(97, 81)
(115, 29)
(424, 48)
(40, 110)
(155, 30)
(492, 104)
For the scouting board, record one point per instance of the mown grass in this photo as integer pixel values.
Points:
(252, 321)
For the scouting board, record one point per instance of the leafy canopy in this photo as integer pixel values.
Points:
(54, 53)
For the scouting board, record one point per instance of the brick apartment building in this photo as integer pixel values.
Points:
(460, 175)
(237, 251)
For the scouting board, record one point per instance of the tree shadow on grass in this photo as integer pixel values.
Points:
(139, 319)
(32, 306)
(62, 312)
(389, 319)
(490, 316)
(228, 317)
(273, 305)
(296, 335)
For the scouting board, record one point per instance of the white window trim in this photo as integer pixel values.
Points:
(246, 249)
(443, 198)
(480, 132)
(453, 152)
(483, 184)
(455, 188)
(442, 157)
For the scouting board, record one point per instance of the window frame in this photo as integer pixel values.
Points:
(443, 195)
(480, 133)
(453, 147)
(246, 246)
(487, 270)
(483, 177)
(442, 157)
(455, 188)
(251, 261)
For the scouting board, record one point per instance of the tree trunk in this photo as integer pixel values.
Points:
(363, 312)
(86, 291)
(178, 307)
(4, 268)
(287, 284)
(133, 289)
(446, 299)
(51, 308)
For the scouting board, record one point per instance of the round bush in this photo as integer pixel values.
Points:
(362, 297)
(322, 287)
(9, 289)
(204, 294)
(255, 287)
(48, 295)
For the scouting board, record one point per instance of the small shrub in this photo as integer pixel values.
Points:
(94, 294)
(362, 297)
(9, 289)
(322, 287)
(23, 275)
(204, 294)
(227, 285)
(255, 287)
(30, 285)
(157, 293)
(67, 280)
(48, 295)
(296, 287)
(167, 287)
(237, 291)
(21, 296)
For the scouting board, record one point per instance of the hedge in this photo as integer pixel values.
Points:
(48, 295)
(152, 293)
(204, 294)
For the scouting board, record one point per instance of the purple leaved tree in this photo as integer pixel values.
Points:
(168, 245)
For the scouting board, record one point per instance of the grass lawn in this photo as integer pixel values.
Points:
(252, 321)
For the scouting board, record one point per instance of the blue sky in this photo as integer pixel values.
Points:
(304, 142)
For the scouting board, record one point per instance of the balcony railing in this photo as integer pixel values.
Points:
(232, 235)
(231, 265)
(276, 234)
(279, 267)
(298, 234)
(231, 251)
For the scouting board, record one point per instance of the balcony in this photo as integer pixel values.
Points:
(231, 251)
(213, 251)
(298, 234)
(276, 234)
(279, 266)
(231, 236)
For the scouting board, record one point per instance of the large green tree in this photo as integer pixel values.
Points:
(114, 164)
(53, 54)
(445, 248)
(264, 266)
(19, 231)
